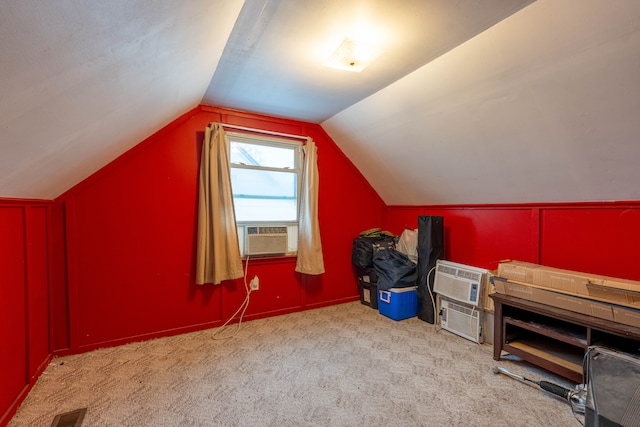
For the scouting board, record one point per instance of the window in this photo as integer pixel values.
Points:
(265, 177)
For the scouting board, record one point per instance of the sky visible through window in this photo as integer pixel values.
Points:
(264, 194)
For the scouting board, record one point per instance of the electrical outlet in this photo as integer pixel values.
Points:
(255, 283)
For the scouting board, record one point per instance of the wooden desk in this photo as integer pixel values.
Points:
(553, 338)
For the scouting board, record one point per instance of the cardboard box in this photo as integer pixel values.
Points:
(488, 327)
(601, 310)
(489, 288)
(519, 271)
(603, 288)
(612, 291)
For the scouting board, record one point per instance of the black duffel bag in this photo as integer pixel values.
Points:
(364, 248)
(394, 270)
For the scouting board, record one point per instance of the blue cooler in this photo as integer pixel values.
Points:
(398, 303)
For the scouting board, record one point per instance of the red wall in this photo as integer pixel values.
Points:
(24, 299)
(112, 260)
(129, 237)
(599, 238)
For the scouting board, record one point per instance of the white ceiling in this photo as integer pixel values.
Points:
(543, 107)
(83, 81)
(471, 102)
(273, 61)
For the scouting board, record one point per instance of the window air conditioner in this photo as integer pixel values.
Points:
(461, 282)
(465, 321)
(266, 240)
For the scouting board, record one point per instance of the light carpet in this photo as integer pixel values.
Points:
(344, 365)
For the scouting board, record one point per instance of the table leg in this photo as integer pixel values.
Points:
(498, 332)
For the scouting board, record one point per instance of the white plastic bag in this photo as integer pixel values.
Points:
(408, 244)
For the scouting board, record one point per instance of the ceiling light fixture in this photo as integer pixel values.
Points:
(352, 56)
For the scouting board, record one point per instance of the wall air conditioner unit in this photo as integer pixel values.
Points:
(266, 240)
(461, 282)
(463, 320)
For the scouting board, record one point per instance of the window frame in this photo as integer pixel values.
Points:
(270, 141)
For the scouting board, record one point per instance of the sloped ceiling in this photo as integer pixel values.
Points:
(83, 81)
(543, 107)
(471, 102)
(273, 61)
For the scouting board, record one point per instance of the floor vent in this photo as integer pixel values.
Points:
(69, 419)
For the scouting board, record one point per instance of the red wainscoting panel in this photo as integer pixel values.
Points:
(279, 292)
(599, 239)
(400, 219)
(58, 300)
(485, 236)
(133, 244)
(348, 205)
(38, 288)
(13, 331)
(24, 299)
(480, 236)
(130, 240)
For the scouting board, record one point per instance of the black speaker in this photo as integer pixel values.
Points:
(613, 388)
(430, 249)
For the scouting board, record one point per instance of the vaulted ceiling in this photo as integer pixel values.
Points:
(499, 101)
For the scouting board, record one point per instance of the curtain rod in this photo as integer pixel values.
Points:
(268, 132)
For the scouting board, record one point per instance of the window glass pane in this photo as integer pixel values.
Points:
(256, 210)
(262, 155)
(261, 195)
(263, 183)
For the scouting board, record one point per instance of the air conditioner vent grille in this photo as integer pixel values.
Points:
(463, 321)
(267, 230)
(460, 282)
(464, 310)
(469, 275)
(266, 240)
(447, 270)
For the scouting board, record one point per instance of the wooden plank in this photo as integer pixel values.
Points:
(556, 331)
(554, 354)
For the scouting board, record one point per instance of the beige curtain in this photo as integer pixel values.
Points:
(310, 259)
(218, 253)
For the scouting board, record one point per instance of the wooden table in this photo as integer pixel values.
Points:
(553, 338)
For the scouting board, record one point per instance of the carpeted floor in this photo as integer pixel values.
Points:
(344, 365)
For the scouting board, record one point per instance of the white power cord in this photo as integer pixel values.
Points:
(242, 307)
